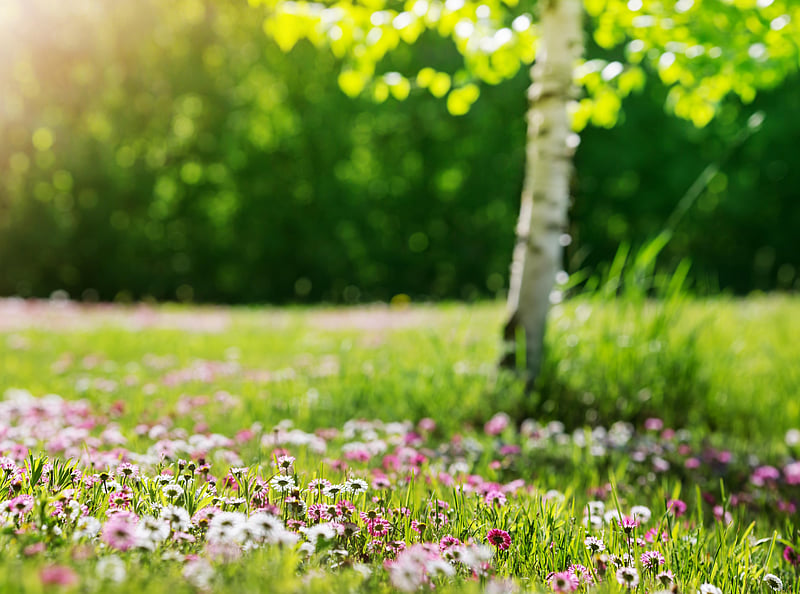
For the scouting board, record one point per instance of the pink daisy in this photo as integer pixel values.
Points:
(499, 538)
(564, 581)
(119, 533)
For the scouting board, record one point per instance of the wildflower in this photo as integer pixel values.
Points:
(325, 531)
(447, 542)
(319, 512)
(773, 581)
(499, 538)
(651, 560)
(641, 513)
(284, 538)
(306, 549)
(709, 589)
(653, 424)
(111, 568)
(563, 581)
(119, 533)
(282, 483)
(593, 522)
(406, 574)
(418, 527)
(722, 515)
(332, 491)
(628, 577)
(318, 484)
(58, 575)
(177, 517)
(381, 482)
(378, 527)
(284, 464)
(296, 506)
(494, 497)
(199, 573)
(20, 505)
(224, 526)
(582, 573)
(172, 491)
(128, 470)
(764, 474)
(595, 545)
(87, 527)
(344, 508)
(151, 530)
(666, 578)
(437, 567)
(595, 508)
(34, 549)
(356, 486)
(628, 523)
(676, 507)
(203, 517)
(238, 471)
(497, 424)
(791, 556)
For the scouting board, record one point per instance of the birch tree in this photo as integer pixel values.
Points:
(702, 50)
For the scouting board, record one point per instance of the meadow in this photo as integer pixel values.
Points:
(182, 449)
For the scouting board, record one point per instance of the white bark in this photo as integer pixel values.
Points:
(545, 194)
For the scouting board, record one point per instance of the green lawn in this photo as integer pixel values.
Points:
(730, 365)
(640, 402)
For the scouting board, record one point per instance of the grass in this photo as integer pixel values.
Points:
(722, 373)
(727, 365)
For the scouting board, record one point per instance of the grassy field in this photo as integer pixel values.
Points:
(468, 483)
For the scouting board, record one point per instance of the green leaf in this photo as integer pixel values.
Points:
(352, 82)
(460, 100)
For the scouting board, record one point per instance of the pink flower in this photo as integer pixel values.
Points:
(676, 507)
(665, 577)
(58, 575)
(448, 542)
(426, 424)
(381, 482)
(628, 523)
(583, 575)
(564, 581)
(20, 505)
(652, 559)
(119, 533)
(722, 515)
(378, 527)
(417, 527)
(496, 424)
(792, 473)
(34, 549)
(494, 498)
(764, 474)
(791, 556)
(510, 450)
(318, 512)
(499, 538)
(653, 424)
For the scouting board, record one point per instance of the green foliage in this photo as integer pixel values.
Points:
(701, 51)
(177, 153)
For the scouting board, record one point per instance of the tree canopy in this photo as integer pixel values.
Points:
(703, 50)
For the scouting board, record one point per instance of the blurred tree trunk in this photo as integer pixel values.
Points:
(545, 193)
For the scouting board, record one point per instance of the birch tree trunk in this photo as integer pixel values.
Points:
(545, 193)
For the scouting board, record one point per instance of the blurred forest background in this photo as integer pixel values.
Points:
(170, 150)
